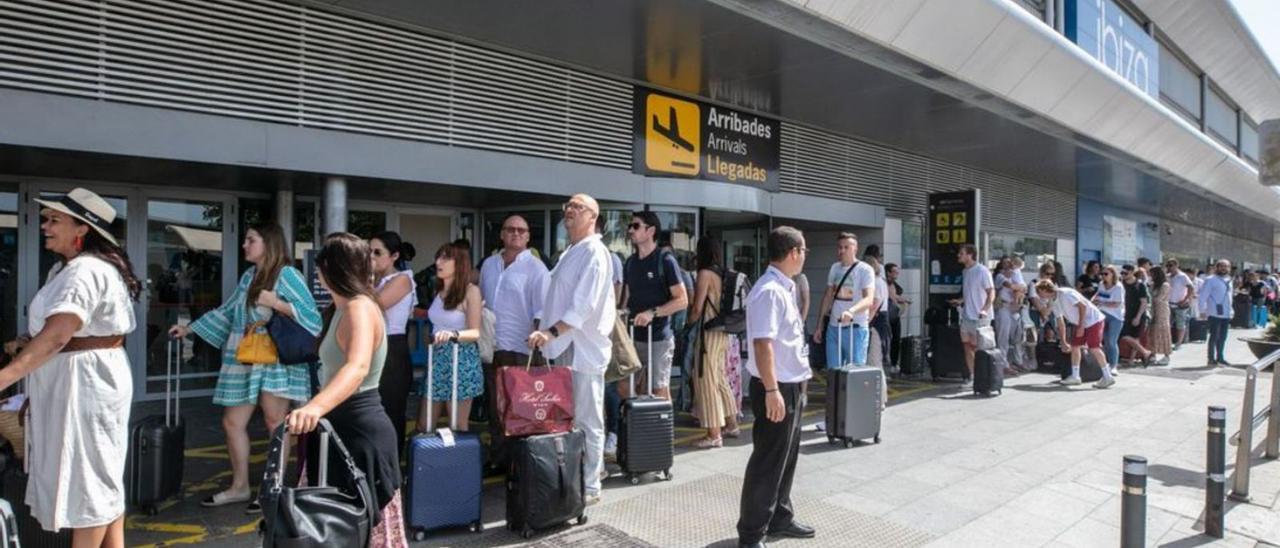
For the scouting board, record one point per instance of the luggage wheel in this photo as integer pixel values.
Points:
(526, 533)
(848, 443)
(582, 520)
(877, 438)
(477, 527)
(634, 479)
(419, 535)
(666, 476)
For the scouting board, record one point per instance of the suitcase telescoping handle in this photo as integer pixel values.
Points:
(453, 395)
(649, 374)
(172, 377)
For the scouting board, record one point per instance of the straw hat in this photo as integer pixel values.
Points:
(88, 208)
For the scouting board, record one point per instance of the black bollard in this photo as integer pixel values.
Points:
(1215, 479)
(1133, 503)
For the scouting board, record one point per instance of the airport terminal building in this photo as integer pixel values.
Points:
(1092, 129)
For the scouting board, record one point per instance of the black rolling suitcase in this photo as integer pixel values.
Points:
(1051, 359)
(1090, 371)
(988, 372)
(912, 357)
(1198, 330)
(546, 485)
(946, 357)
(1242, 312)
(647, 432)
(153, 469)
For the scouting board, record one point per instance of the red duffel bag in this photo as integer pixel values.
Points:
(535, 400)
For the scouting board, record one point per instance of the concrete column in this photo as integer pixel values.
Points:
(335, 205)
(284, 214)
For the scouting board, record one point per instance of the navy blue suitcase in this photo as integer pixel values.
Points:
(445, 479)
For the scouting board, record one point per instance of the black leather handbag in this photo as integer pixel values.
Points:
(314, 516)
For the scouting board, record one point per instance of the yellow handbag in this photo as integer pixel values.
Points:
(257, 348)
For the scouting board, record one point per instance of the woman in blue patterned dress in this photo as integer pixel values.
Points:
(270, 286)
(455, 321)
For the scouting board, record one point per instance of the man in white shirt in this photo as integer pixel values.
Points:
(1182, 296)
(778, 360)
(513, 284)
(579, 313)
(878, 351)
(1011, 289)
(979, 295)
(1216, 304)
(1087, 324)
(846, 306)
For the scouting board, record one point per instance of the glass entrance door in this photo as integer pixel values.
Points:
(9, 264)
(744, 251)
(184, 265)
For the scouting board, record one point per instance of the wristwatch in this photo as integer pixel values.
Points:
(553, 331)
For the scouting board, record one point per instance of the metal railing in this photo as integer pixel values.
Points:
(1243, 440)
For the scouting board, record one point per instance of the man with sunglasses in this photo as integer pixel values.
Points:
(652, 291)
(513, 283)
(577, 316)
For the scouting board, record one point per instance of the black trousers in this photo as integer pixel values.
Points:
(895, 342)
(775, 447)
(393, 387)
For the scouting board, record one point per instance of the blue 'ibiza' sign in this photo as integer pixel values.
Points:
(1109, 34)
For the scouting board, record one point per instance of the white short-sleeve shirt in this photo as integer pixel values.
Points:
(1178, 287)
(1066, 306)
(977, 280)
(772, 314)
(1114, 294)
(850, 291)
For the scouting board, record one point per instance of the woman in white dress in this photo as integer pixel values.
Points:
(78, 376)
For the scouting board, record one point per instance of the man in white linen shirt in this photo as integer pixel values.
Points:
(778, 360)
(514, 285)
(579, 313)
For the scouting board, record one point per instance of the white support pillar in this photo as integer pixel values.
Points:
(335, 205)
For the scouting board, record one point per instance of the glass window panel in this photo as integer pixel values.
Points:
(253, 211)
(1179, 84)
(912, 245)
(1034, 251)
(679, 229)
(1249, 142)
(8, 262)
(304, 230)
(184, 274)
(366, 223)
(614, 233)
(1220, 118)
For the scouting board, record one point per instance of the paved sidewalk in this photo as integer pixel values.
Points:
(1037, 466)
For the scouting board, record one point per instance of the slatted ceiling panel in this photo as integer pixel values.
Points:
(821, 163)
(282, 62)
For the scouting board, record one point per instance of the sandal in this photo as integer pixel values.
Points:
(224, 498)
(735, 433)
(709, 443)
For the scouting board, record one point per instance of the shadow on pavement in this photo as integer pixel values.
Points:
(1175, 476)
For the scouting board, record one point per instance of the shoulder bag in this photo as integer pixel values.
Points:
(320, 516)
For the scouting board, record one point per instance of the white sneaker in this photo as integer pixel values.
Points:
(1104, 383)
(1115, 371)
(611, 446)
(1071, 381)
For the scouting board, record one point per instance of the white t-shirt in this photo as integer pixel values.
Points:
(882, 294)
(850, 292)
(1066, 306)
(1178, 287)
(1005, 294)
(1115, 294)
(977, 280)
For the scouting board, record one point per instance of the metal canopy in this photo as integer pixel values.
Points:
(829, 77)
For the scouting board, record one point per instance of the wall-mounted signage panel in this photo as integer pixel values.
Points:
(1109, 34)
(677, 137)
(953, 221)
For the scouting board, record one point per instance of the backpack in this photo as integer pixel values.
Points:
(731, 315)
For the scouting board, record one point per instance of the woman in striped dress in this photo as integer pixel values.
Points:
(715, 401)
(270, 286)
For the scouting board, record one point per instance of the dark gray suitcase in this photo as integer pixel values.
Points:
(647, 433)
(912, 358)
(157, 444)
(988, 372)
(853, 404)
(546, 484)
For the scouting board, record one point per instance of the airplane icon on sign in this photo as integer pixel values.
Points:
(672, 132)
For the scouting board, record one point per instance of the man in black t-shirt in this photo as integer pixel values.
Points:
(652, 292)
